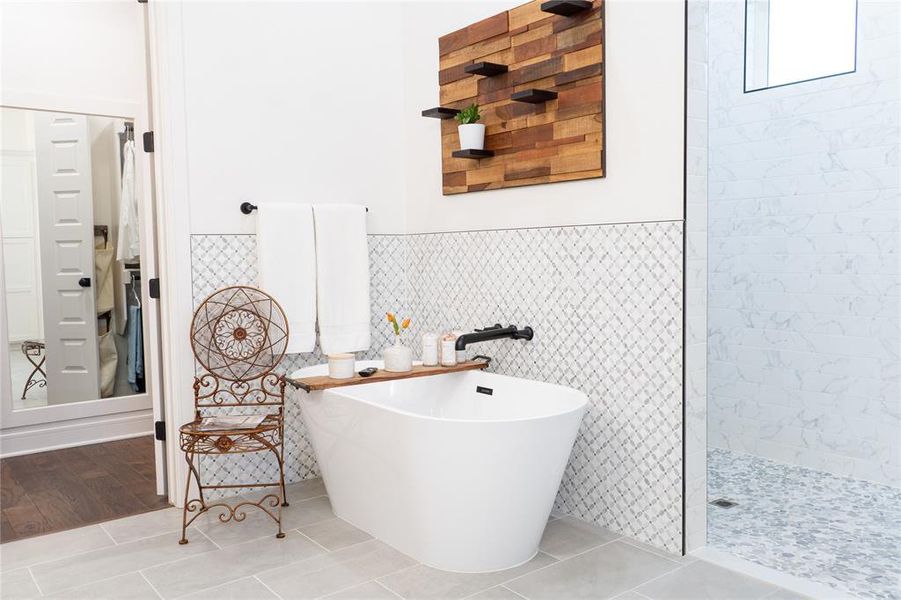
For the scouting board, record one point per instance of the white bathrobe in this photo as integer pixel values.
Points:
(129, 242)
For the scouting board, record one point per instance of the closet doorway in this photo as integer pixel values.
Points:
(80, 377)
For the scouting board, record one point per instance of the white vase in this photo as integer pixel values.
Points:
(398, 358)
(472, 136)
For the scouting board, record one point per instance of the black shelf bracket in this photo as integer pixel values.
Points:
(472, 153)
(533, 96)
(488, 69)
(440, 112)
(565, 8)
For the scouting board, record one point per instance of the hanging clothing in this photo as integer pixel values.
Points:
(120, 279)
(135, 360)
(129, 241)
(109, 362)
(104, 287)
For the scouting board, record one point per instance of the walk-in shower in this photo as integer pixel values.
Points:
(803, 212)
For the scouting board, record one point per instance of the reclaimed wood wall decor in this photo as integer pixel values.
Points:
(533, 139)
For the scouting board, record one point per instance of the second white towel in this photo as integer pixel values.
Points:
(342, 265)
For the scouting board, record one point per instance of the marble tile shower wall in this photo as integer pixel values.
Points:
(606, 304)
(804, 257)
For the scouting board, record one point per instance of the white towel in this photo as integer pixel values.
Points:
(342, 277)
(286, 255)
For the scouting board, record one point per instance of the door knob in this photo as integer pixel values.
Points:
(85, 282)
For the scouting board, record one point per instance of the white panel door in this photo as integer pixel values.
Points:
(66, 226)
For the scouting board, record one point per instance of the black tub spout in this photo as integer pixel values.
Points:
(494, 332)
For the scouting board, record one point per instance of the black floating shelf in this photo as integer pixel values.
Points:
(487, 69)
(440, 112)
(533, 96)
(472, 153)
(565, 8)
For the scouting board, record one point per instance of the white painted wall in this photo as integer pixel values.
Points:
(106, 171)
(804, 241)
(320, 102)
(644, 103)
(75, 52)
(293, 101)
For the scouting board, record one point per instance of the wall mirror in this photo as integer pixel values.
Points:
(71, 247)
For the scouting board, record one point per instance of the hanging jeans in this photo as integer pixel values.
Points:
(135, 360)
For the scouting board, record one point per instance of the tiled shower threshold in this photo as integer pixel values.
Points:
(835, 531)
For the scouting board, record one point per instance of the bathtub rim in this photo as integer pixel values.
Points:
(347, 392)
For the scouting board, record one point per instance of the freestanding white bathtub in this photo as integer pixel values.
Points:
(456, 478)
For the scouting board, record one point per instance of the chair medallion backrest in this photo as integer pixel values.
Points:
(239, 335)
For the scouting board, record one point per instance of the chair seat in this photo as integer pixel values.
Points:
(263, 437)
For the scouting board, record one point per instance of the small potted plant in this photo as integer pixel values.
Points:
(472, 133)
(398, 358)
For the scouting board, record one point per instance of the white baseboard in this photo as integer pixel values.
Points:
(798, 585)
(76, 432)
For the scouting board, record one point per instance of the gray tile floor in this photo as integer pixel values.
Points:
(324, 557)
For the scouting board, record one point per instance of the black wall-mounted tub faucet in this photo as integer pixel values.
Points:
(495, 332)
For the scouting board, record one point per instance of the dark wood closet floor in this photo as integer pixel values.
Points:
(63, 489)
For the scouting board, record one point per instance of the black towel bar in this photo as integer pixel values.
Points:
(247, 208)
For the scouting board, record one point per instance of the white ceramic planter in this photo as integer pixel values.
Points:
(398, 358)
(472, 136)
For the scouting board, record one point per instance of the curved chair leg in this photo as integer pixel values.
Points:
(184, 511)
(281, 471)
(194, 469)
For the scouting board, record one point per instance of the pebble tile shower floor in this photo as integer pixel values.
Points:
(842, 532)
(325, 557)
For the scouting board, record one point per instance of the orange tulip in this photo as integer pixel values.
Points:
(391, 318)
(406, 323)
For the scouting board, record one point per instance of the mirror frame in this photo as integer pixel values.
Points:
(113, 407)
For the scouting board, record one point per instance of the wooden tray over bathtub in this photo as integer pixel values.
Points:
(324, 382)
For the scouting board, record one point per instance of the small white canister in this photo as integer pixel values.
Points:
(448, 351)
(341, 366)
(430, 349)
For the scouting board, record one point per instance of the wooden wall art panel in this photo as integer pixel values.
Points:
(561, 139)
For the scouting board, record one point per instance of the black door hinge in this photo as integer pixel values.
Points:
(159, 431)
(148, 141)
(153, 288)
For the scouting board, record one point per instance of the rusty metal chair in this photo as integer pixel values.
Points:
(238, 335)
(36, 353)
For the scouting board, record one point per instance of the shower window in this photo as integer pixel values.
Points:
(790, 41)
